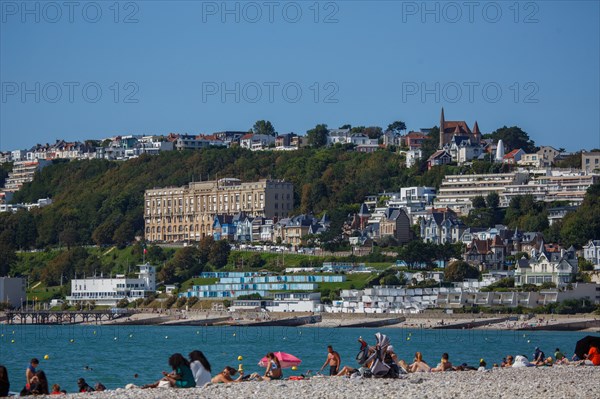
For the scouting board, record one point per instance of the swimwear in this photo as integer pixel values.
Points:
(333, 370)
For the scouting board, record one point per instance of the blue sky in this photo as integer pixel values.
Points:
(154, 67)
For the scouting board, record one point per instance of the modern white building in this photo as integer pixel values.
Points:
(109, 291)
(12, 290)
(23, 172)
(458, 191)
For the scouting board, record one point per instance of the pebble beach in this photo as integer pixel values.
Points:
(555, 382)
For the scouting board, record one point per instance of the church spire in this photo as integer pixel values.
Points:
(442, 123)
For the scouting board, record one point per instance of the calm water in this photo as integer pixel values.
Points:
(116, 353)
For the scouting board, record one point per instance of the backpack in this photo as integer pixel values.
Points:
(362, 355)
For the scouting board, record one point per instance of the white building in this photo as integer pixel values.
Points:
(591, 252)
(295, 302)
(457, 191)
(109, 291)
(412, 156)
(23, 172)
(12, 290)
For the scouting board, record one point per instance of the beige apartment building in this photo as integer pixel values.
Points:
(590, 161)
(187, 213)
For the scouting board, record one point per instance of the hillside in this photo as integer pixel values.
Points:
(101, 202)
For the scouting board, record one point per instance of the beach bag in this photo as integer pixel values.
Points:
(164, 384)
(380, 369)
(365, 372)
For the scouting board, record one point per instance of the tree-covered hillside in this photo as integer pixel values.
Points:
(101, 202)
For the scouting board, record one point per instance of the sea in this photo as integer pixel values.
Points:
(118, 355)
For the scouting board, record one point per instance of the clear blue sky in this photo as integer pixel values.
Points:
(369, 60)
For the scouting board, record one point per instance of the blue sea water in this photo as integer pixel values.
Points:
(115, 354)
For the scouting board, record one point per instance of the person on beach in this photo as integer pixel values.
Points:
(538, 357)
(418, 364)
(273, 370)
(180, 377)
(39, 384)
(200, 368)
(100, 387)
(333, 359)
(4, 382)
(224, 377)
(83, 386)
(56, 390)
(593, 356)
(444, 364)
(508, 362)
(31, 369)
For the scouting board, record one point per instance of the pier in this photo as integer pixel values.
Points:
(64, 317)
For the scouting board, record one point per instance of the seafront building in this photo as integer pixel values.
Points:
(382, 299)
(235, 284)
(109, 291)
(188, 213)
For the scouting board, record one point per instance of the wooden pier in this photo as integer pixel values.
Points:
(64, 317)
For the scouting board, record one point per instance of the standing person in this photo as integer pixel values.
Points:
(333, 359)
(4, 383)
(31, 369)
(200, 368)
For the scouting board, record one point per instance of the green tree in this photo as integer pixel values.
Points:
(264, 127)
(459, 270)
(317, 137)
(478, 202)
(514, 138)
(397, 127)
(492, 200)
(219, 253)
(374, 132)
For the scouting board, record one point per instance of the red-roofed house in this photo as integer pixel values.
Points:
(513, 157)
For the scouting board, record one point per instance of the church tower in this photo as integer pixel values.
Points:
(442, 123)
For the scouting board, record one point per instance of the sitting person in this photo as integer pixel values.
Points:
(38, 385)
(224, 377)
(100, 387)
(444, 364)
(593, 356)
(538, 357)
(273, 370)
(200, 367)
(508, 362)
(418, 364)
(346, 371)
(180, 377)
(56, 390)
(4, 382)
(83, 386)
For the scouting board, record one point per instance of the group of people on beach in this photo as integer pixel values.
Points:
(196, 371)
(36, 382)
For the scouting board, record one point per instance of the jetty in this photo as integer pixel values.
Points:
(64, 317)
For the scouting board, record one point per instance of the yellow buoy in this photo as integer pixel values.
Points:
(234, 334)
(71, 340)
(408, 338)
(240, 358)
(46, 357)
(294, 368)
(12, 341)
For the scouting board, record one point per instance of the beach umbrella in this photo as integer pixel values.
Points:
(583, 345)
(285, 359)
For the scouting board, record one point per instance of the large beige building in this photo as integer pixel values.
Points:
(187, 213)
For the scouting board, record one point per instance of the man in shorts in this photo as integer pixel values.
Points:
(333, 359)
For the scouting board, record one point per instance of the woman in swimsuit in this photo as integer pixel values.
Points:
(273, 371)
